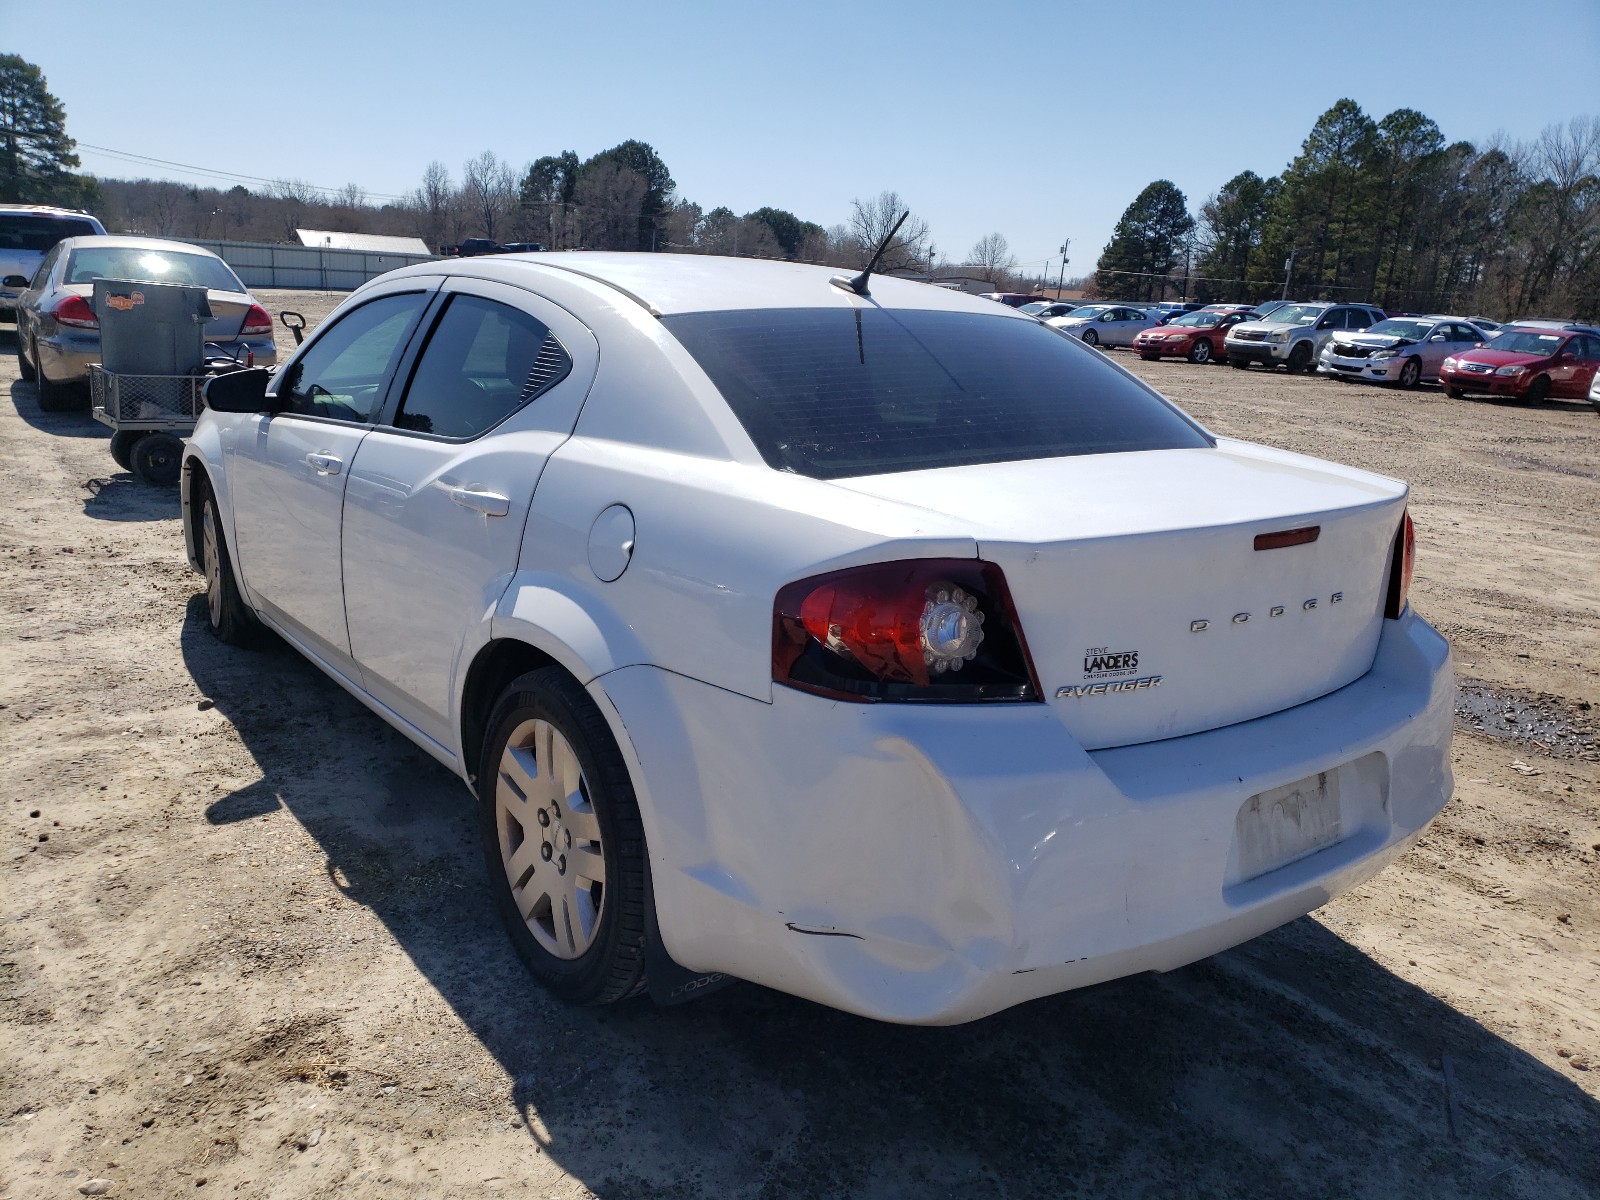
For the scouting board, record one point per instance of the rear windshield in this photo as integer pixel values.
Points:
(835, 393)
(89, 263)
(39, 233)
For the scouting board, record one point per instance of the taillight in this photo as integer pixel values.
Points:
(1402, 561)
(919, 630)
(256, 321)
(75, 311)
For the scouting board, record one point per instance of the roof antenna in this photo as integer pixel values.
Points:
(858, 284)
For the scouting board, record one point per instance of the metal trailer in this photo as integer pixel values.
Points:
(149, 416)
(149, 386)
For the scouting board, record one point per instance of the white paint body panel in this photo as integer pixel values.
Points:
(920, 863)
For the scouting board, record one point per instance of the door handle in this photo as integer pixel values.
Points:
(490, 504)
(326, 464)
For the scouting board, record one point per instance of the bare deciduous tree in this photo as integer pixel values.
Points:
(491, 191)
(870, 223)
(992, 259)
(431, 204)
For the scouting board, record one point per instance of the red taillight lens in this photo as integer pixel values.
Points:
(920, 630)
(256, 321)
(1403, 561)
(75, 311)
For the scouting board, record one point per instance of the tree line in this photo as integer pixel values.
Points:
(1382, 211)
(623, 198)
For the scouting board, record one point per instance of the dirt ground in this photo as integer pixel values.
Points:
(247, 946)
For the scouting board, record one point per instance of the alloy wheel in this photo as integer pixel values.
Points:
(549, 839)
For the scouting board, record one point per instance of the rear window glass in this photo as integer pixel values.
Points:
(39, 233)
(88, 263)
(834, 393)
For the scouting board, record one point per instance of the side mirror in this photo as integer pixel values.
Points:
(1438, 337)
(20, 281)
(296, 326)
(238, 391)
(1568, 357)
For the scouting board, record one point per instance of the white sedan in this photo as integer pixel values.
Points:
(889, 650)
(1105, 324)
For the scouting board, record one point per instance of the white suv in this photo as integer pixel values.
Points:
(1295, 334)
(27, 234)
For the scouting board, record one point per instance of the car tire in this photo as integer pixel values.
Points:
(1410, 374)
(1091, 338)
(157, 458)
(1538, 391)
(1299, 358)
(122, 444)
(554, 801)
(1200, 353)
(24, 367)
(227, 615)
(53, 397)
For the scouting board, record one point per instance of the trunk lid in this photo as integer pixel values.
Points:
(228, 310)
(1146, 607)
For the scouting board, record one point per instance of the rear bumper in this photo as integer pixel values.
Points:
(67, 355)
(932, 865)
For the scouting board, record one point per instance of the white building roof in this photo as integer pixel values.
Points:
(376, 242)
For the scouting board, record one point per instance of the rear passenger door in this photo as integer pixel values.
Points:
(439, 491)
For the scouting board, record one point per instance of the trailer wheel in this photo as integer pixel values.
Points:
(158, 459)
(122, 444)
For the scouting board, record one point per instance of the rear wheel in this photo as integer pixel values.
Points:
(1091, 338)
(157, 458)
(24, 367)
(53, 397)
(1538, 391)
(122, 444)
(1410, 373)
(562, 840)
(1300, 358)
(1200, 352)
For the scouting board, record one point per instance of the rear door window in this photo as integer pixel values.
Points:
(482, 362)
(839, 392)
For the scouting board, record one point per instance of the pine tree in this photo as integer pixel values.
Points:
(36, 158)
(1146, 244)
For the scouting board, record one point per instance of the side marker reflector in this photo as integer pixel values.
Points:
(1287, 537)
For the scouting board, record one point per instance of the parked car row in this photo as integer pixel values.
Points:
(1530, 360)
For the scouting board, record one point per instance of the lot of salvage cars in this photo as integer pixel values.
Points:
(248, 940)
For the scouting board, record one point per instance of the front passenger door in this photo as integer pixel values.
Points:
(287, 469)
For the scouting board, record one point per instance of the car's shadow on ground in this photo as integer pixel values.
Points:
(1293, 1066)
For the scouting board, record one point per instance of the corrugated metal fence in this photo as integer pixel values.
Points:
(265, 264)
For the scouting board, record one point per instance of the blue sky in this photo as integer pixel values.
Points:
(1039, 121)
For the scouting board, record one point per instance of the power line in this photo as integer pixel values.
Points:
(234, 176)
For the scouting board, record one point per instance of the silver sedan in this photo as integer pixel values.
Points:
(1105, 324)
(1402, 350)
(58, 334)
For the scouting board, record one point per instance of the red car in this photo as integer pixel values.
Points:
(1196, 336)
(1527, 362)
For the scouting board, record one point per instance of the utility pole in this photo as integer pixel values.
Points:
(1288, 270)
(1061, 280)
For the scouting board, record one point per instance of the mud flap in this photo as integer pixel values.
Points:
(668, 982)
